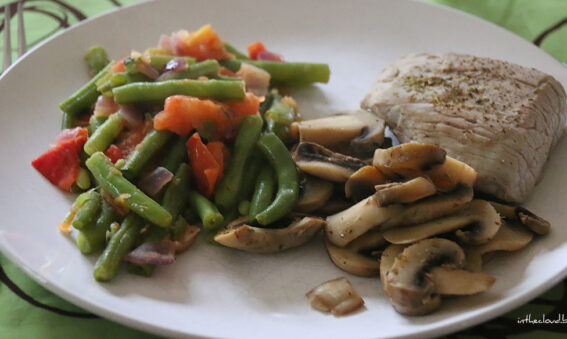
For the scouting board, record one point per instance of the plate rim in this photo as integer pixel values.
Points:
(498, 308)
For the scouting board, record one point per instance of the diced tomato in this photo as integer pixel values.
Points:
(239, 110)
(114, 153)
(127, 142)
(202, 44)
(61, 163)
(226, 72)
(182, 114)
(254, 48)
(118, 67)
(219, 151)
(206, 169)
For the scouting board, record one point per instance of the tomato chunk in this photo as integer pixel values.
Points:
(206, 168)
(202, 44)
(60, 164)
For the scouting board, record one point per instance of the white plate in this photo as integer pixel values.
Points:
(213, 291)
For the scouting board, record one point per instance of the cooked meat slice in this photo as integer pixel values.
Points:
(501, 119)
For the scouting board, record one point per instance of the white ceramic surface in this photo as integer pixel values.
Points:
(217, 292)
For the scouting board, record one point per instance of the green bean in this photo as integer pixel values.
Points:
(253, 167)
(209, 235)
(81, 198)
(288, 191)
(97, 59)
(119, 245)
(160, 61)
(144, 151)
(231, 49)
(206, 68)
(278, 118)
(249, 131)
(84, 98)
(68, 120)
(244, 207)
(111, 180)
(178, 228)
(288, 73)
(90, 240)
(83, 179)
(86, 215)
(94, 123)
(207, 211)
(103, 136)
(177, 192)
(222, 90)
(264, 192)
(106, 84)
(177, 154)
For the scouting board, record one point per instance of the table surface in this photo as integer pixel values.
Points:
(28, 310)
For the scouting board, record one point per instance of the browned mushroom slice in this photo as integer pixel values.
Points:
(349, 224)
(452, 173)
(321, 162)
(352, 261)
(408, 283)
(361, 183)
(359, 129)
(459, 282)
(187, 239)
(479, 221)
(408, 160)
(430, 208)
(248, 238)
(508, 238)
(523, 216)
(404, 192)
(336, 296)
(314, 194)
(387, 260)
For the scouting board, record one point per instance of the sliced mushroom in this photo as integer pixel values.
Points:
(408, 160)
(404, 192)
(483, 228)
(408, 283)
(452, 173)
(349, 224)
(352, 261)
(334, 205)
(523, 216)
(478, 215)
(369, 241)
(248, 238)
(430, 208)
(336, 296)
(314, 194)
(362, 131)
(361, 183)
(387, 260)
(321, 162)
(460, 282)
(509, 238)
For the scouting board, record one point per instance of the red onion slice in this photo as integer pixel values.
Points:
(257, 80)
(152, 183)
(105, 106)
(147, 70)
(134, 119)
(267, 55)
(155, 253)
(176, 65)
(165, 43)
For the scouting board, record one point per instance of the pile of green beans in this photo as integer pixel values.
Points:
(112, 216)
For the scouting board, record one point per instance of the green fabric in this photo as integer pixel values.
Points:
(20, 319)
